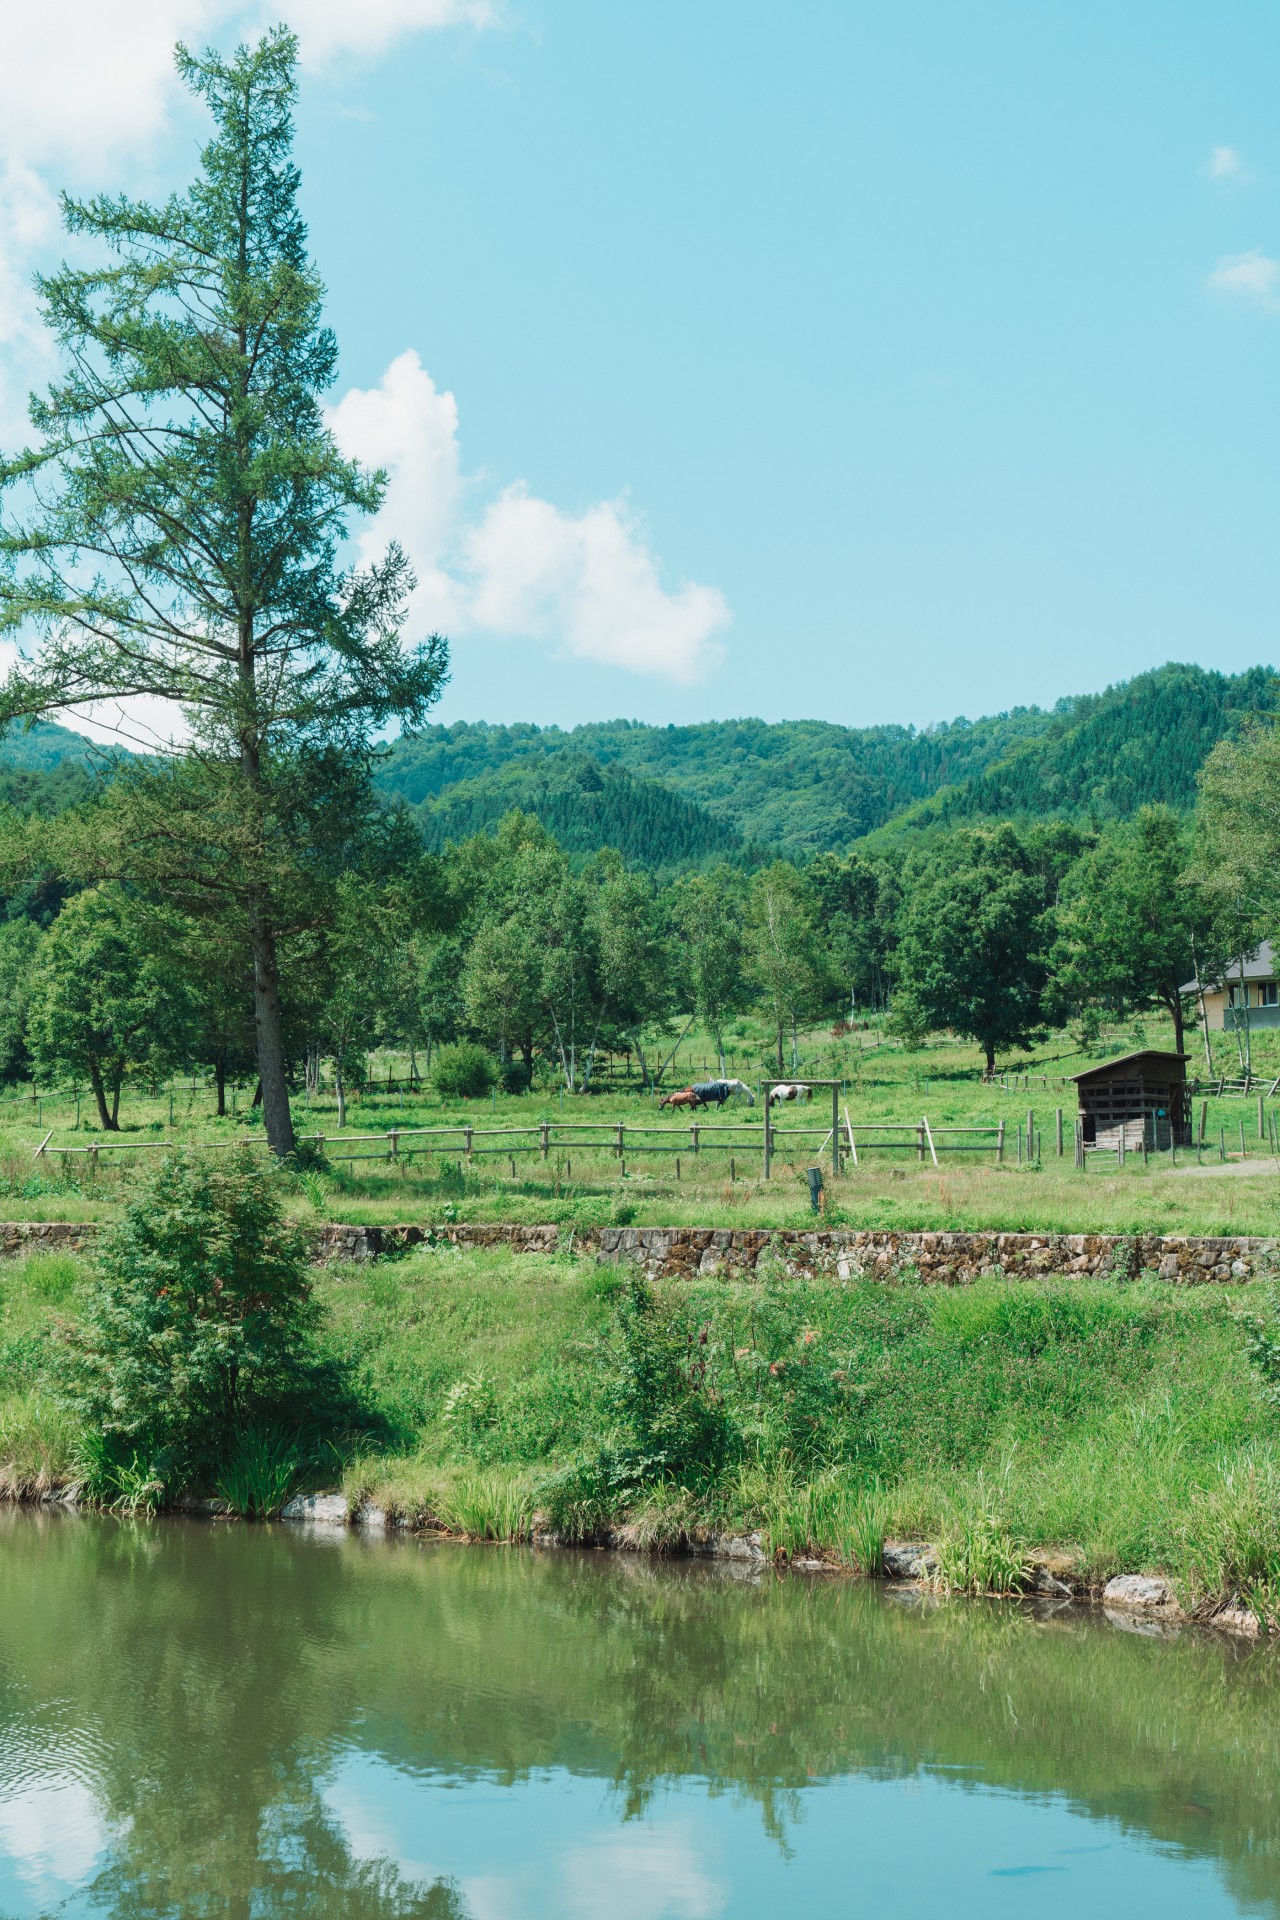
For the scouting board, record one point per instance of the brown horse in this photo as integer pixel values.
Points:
(686, 1097)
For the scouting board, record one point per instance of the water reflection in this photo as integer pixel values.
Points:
(199, 1720)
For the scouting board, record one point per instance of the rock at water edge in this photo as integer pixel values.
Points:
(320, 1509)
(1140, 1593)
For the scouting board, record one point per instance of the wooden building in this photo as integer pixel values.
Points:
(1145, 1093)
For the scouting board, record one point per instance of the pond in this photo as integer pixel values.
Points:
(211, 1719)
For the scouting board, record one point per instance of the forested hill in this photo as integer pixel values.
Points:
(44, 767)
(742, 790)
(586, 807)
(799, 787)
(1105, 755)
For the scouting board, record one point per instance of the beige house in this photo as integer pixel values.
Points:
(1258, 990)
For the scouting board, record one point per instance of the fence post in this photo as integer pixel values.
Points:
(620, 1146)
(1204, 1119)
(1244, 1152)
(546, 1139)
(468, 1132)
(1058, 1132)
(1000, 1146)
(1262, 1125)
(768, 1132)
(395, 1144)
(693, 1135)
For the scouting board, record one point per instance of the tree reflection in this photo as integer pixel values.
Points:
(209, 1681)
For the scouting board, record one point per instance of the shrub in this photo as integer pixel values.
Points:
(668, 1424)
(199, 1325)
(464, 1071)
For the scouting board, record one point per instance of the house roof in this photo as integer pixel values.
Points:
(1260, 965)
(1153, 1054)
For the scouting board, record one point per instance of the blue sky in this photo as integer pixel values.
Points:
(872, 363)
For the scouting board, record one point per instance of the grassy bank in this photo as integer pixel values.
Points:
(1122, 1425)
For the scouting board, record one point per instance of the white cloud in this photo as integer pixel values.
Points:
(518, 567)
(53, 1835)
(1253, 276)
(1227, 163)
(329, 27)
(84, 82)
(653, 1872)
(28, 221)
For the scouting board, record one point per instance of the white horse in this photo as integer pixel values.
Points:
(790, 1090)
(740, 1086)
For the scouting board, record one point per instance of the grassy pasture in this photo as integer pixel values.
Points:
(582, 1180)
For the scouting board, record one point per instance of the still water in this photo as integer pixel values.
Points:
(200, 1720)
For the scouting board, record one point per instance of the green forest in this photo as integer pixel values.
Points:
(796, 788)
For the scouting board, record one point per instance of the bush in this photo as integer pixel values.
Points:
(668, 1423)
(199, 1326)
(516, 1077)
(464, 1072)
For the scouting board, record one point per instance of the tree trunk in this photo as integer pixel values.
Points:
(991, 1056)
(115, 1103)
(718, 1037)
(220, 1081)
(1179, 1030)
(526, 1054)
(105, 1120)
(640, 1059)
(266, 1020)
(781, 1065)
(340, 1088)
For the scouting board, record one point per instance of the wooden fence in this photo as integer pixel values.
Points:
(621, 1139)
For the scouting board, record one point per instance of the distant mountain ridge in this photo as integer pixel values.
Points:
(806, 786)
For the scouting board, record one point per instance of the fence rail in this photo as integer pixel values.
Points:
(620, 1138)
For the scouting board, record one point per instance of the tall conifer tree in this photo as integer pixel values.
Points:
(175, 533)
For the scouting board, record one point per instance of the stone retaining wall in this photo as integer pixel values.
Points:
(949, 1258)
(675, 1252)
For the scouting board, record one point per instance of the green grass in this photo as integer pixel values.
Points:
(1114, 1422)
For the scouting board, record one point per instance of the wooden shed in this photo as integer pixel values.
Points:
(1145, 1093)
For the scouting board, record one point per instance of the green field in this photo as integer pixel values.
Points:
(582, 1180)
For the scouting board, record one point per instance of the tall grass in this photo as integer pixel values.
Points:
(976, 1553)
(1231, 1536)
(39, 1442)
(487, 1504)
(260, 1472)
(832, 1516)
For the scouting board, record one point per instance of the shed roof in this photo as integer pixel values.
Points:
(1145, 1054)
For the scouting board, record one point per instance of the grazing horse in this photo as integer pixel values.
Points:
(714, 1093)
(789, 1090)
